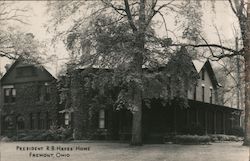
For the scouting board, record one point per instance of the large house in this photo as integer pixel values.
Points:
(29, 102)
(203, 116)
(28, 99)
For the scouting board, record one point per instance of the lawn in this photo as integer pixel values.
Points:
(106, 151)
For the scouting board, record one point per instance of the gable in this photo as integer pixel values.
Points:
(210, 72)
(198, 64)
(21, 72)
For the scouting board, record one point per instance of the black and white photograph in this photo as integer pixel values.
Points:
(125, 80)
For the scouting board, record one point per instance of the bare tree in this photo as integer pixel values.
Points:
(14, 43)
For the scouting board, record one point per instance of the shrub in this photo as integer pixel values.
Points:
(237, 131)
(194, 129)
(27, 138)
(222, 137)
(191, 139)
(59, 134)
(5, 139)
(54, 134)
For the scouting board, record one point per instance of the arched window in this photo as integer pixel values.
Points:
(20, 122)
(8, 122)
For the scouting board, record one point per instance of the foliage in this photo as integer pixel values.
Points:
(15, 44)
(222, 137)
(237, 131)
(106, 87)
(121, 37)
(191, 139)
(194, 129)
(193, 24)
(53, 134)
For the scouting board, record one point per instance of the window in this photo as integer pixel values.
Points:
(32, 121)
(40, 121)
(8, 122)
(20, 122)
(194, 92)
(26, 71)
(39, 93)
(47, 92)
(203, 93)
(48, 120)
(67, 118)
(102, 119)
(43, 92)
(9, 95)
(203, 74)
(211, 95)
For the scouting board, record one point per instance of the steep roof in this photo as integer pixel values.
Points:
(19, 62)
(200, 64)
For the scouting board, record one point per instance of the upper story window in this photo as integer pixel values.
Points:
(194, 92)
(39, 93)
(43, 92)
(211, 95)
(203, 74)
(203, 93)
(9, 94)
(26, 71)
(47, 92)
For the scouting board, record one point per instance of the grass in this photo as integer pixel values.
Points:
(106, 151)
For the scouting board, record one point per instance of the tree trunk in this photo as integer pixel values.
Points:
(137, 70)
(247, 78)
(137, 119)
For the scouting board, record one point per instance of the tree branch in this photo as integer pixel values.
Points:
(157, 11)
(118, 10)
(130, 18)
(232, 7)
(234, 53)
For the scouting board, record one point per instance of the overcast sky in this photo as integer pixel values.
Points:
(223, 19)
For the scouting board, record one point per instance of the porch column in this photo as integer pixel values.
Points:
(175, 121)
(214, 122)
(206, 122)
(224, 123)
(196, 116)
(188, 118)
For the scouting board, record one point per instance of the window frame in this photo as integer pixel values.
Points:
(11, 96)
(203, 93)
(101, 120)
(203, 74)
(211, 95)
